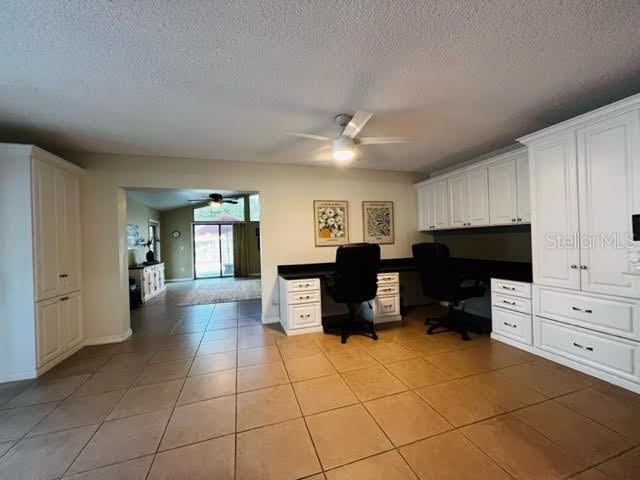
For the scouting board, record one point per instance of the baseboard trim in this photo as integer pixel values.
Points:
(14, 377)
(269, 320)
(171, 280)
(108, 339)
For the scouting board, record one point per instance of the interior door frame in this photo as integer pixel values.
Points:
(193, 242)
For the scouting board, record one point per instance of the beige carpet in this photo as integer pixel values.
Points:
(223, 292)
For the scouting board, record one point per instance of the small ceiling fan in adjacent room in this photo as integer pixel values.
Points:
(344, 148)
(215, 200)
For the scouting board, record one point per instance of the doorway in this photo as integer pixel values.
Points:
(213, 250)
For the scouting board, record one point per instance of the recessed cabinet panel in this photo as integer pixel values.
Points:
(45, 222)
(458, 201)
(72, 332)
(608, 161)
(503, 193)
(555, 234)
(524, 189)
(49, 330)
(440, 213)
(478, 209)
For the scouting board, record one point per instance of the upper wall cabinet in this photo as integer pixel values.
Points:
(433, 206)
(509, 190)
(585, 188)
(492, 192)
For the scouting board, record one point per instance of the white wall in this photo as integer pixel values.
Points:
(286, 195)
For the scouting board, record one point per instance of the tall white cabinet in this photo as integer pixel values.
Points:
(40, 271)
(585, 187)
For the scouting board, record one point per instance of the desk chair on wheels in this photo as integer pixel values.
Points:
(354, 283)
(441, 282)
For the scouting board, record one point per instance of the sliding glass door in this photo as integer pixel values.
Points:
(213, 250)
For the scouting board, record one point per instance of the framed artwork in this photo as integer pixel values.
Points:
(331, 222)
(378, 222)
(133, 236)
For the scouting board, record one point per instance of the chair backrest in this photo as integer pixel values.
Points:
(434, 268)
(357, 266)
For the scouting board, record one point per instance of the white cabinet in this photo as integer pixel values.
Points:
(492, 192)
(583, 200)
(49, 331)
(40, 275)
(509, 201)
(554, 221)
(59, 326)
(511, 319)
(608, 170)
(478, 209)
(523, 188)
(503, 193)
(458, 201)
(433, 206)
(150, 279)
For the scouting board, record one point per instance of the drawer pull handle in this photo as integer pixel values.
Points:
(574, 267)
(590, 349)
(303, 297)
(63, 275)
(510, 324)
(509, 303)
(508, 288)
(63, 299)
(586, 310)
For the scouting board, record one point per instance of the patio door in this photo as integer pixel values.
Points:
(213, 250)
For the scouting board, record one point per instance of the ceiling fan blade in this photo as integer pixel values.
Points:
(357, 123)
(200, 200)
(233, 202)
(309, 136)
(321, 154)
(381, 140)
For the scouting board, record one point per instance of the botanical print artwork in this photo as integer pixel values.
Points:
(331, 222)
(378, 222)
(133, 236)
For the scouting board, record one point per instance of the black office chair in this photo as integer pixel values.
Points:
(441, 282)
(354, 282)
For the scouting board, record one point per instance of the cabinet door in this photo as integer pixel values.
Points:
(458, 201)
(424, 203)
(45, 226)
(68, 214)
(608, 166)
(48, 326)
(554, 221)
(523, 190)
(71, 319)
(478, 197)
(503, 206)
(440, 205)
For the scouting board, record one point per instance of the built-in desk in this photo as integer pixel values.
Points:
(301, 290)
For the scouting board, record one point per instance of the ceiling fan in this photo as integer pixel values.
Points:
(344, 147)
(215, 200)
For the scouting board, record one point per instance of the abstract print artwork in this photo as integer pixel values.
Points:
(331, 222)
(378, 222)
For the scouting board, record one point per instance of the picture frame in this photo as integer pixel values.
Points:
(331, 222)
(378, 222)
(134, 239)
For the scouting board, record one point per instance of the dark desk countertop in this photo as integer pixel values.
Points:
(518, 271)
(141, 266)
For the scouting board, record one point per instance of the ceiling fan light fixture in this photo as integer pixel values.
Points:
(343, 150)
(214, 204)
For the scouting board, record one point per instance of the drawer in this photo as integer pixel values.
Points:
(392, 277)
(387, 305)
(304, 284)
(518, 304)
(514, 325)
(604, 352)
(604, 314)
(519, 289)
(388, 289)
(306, 315)
(311, 296)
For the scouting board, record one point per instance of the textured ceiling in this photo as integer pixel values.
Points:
(168, 199)
(225, 79)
